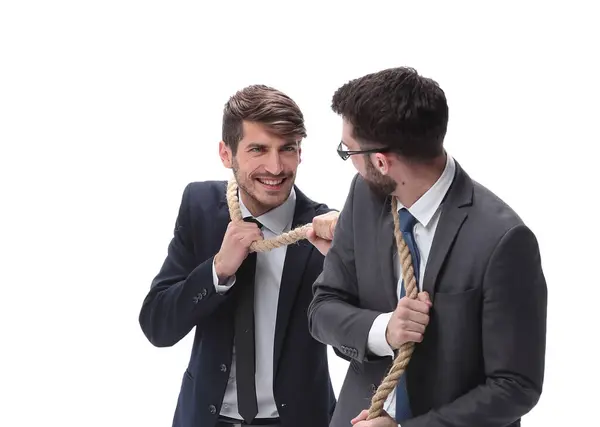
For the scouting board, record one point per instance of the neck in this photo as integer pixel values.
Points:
(255, 208)
(417, 178)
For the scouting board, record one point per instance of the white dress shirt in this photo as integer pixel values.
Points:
(269, 268)
(426, 210)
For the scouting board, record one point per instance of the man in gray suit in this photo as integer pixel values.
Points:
(479, 322)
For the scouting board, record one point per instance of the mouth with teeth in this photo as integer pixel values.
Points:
(271, 184)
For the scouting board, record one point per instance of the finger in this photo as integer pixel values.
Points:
(411, 326)
(251, 234)
(321, 229)
(411, 336)
(416, 317)
(310, 235)
(332, 226)
(416, 305)
(248, 238)
(424, 296)
(362, 416)
(246, 225)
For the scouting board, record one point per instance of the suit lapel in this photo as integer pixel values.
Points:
(451, 220)
(387, 248)
(296, 257)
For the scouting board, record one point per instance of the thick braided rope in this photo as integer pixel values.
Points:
(266, 245)
(405, 351)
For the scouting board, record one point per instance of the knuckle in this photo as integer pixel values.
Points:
(402, 312)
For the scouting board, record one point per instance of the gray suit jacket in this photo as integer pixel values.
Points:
(481, 362)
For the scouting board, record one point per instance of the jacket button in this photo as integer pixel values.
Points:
(373, 388)
(223, 368)
(204, 292)
(212, 409)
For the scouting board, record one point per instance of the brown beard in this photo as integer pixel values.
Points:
(380, 184)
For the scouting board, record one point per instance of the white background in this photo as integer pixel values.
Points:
(108, 109)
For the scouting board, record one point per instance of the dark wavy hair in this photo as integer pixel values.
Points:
(398, 109)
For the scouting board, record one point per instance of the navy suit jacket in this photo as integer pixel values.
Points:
(182, 296)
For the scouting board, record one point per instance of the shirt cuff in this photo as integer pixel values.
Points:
(377, 342)
(221, 288)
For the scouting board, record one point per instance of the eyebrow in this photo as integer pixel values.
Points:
(263, 145)
(256, 145)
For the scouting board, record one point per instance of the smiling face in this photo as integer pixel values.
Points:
(264, 166)
(262, 130)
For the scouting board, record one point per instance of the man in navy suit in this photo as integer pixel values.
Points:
(253, 359)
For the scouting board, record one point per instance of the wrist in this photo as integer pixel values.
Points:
(388, 340)
(222, 274)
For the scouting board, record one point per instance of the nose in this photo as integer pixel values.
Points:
(274, 165)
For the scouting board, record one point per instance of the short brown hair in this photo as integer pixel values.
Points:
(265, 105)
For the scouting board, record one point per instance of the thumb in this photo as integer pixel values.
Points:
(311, 235)
(424, 297)
(360, 417)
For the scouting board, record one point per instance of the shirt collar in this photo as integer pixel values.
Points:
(276, 220)
(427, 205)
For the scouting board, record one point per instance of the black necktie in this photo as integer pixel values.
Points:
(244, 337)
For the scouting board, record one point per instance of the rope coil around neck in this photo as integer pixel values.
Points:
(388, 384)
(265, 245)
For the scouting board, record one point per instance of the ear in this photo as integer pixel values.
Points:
(226, 155)
(381, 162)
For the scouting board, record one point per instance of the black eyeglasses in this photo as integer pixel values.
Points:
(345, 154)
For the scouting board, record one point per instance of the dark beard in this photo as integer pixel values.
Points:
(380, 184)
